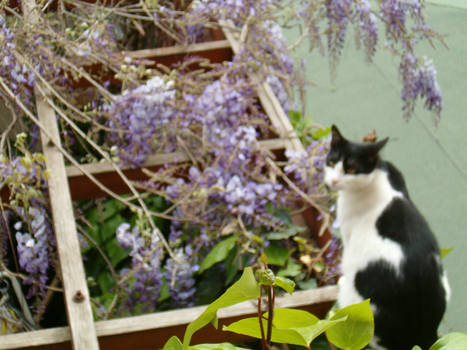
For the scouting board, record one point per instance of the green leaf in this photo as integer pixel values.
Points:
(164, 292)
(266, 277)
(290, 326)
(156, 203)
(286, 284)
(445, 251)
(282, 214)
(320, 133)
(451, 341)
(246, 288)
(106, 281)
(293, 318)
(218, 253)
(306, 324)
(416, 347)
(292, 269)
(110, 226)
(250, 327)
(115, 252)
(111, 207)
(289, 232)
(220, 346)
(308, 284)
(357, 330)
(173, 344)
(295, 117)
(277, 255)
(93, 216)
(232, 266)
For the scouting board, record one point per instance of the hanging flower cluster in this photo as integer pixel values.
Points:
(404, 25)
(27, 212)
(141, 117)
(420, 81)
(146, 254)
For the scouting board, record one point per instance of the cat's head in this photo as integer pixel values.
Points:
(350, 165)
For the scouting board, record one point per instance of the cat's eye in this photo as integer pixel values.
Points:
(350, 171)
(331, 164)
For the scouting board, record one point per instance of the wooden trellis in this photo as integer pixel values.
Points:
(73, 182)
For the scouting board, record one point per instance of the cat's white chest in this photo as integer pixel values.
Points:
(357, 213)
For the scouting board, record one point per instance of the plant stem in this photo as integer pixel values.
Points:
(264, 344)
(271, 300)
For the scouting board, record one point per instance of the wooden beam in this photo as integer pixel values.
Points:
(179, 49)
(151, 331)
(82, 187)
(159, 159)
(76, 293)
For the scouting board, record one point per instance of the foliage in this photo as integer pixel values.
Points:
(451, 341)
(244, 289)
(221, 203)
(283, 325)
(356, 332)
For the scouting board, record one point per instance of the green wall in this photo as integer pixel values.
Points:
(433, 159)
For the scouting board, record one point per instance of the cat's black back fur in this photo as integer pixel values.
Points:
(409, 309)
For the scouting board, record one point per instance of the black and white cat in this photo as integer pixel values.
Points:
(390, 254)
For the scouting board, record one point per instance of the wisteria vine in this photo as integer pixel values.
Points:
(225, 182)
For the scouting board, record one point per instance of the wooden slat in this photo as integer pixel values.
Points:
(177, 50)
(82, 187)
(76, 292)
(151, 331)
(159, 159)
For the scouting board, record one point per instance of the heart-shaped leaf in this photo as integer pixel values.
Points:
(285, 283)
(451, 341)
(218, 253)
(357, 330)
(290, 326)
(173, 344)
(246, 288)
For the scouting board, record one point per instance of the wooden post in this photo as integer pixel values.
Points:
(76, 293)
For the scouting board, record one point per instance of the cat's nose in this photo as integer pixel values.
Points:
(334, 182)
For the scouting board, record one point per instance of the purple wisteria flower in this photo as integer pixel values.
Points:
(33, 246)
(227, 186)
(139, 117)
(306, 168)
(395, 13)
(179, 276)
(19, 77)
(332, 260)
(368, 29)
(338, 14)
(419, 80)
(146, 254)
(28, 216)
(404, 25)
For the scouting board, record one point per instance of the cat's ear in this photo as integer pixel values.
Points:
(373, 148)
(337, 137)
(380, 144)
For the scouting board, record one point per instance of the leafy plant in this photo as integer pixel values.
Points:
(350, 328)
(451, 341)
